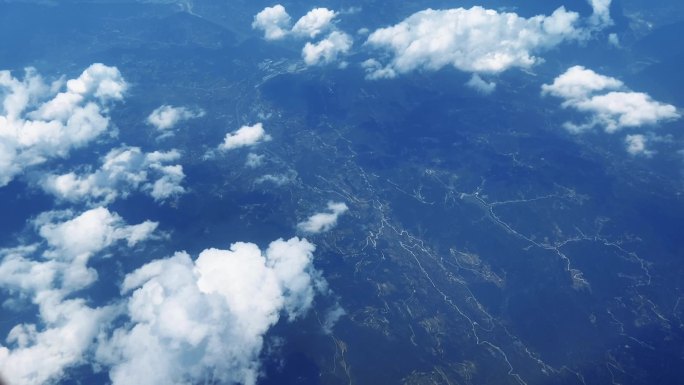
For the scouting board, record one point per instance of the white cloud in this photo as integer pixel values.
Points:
(90, 232)
(166, 117)
(614, 40)
(39, 353)
(193, 321)
(123, 169)
(254, 160)
(332, 316)
(314, 22)
(36, 356)
(578, 83)
(480, 85)
(245, 136)
(608, 102)
(327, 50)
(277, 179)
(473, 40)
(273, 21)
(637, 145)
(325, 221)
(39, 122)
(601, 16)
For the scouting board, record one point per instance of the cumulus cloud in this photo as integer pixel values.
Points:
(475, 40)
(43, 121)
(325, 221)
(193, 321)
(245, 136)
(637, 145)
(327, 50)
(273, 21)
(36, 356)
(480, 85)
(314, 22)
(123, 170)
(166, 117)
(49, 273)
(608, 102)
(601, 15)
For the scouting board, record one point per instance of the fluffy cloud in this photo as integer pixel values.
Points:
(193, 321)
(601, 16)
(40, 122)
(36, 357)
(636, 145)
(123, 170)
(608, 102)
(325, 221)
(166, 117)
(473, 40)
(49, 273)
(327, 50)
(89, 233)
(245, 136)
(480, 85)
(314, 22)
(275, 22)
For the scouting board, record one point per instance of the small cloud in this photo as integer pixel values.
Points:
(332, 316)
(614, 40)
(254, 160)
(601, 15)
(273, 21)
(245, 136)
(277, 179)
(314, 22)
(327, 50)
(637, 145)
(123, 170)
(608, 102)
(167, 117)
(325, 221)
(480, 85)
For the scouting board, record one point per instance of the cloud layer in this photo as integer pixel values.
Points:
(42, 121)
(123, 170)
